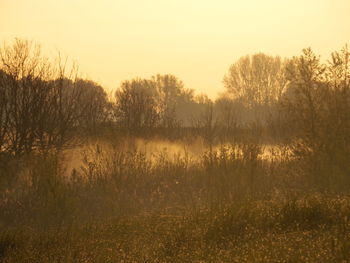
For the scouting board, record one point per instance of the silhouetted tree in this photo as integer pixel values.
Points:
(151, 103)
(136, 105)
(39, 102)
(93, 104)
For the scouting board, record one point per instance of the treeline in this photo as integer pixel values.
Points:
(44, 105)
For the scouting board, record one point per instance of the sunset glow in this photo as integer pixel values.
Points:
(115, 40)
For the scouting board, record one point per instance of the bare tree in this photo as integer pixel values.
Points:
(151, 103)
(93, 105)
(257, 79)
(136, 105)
(170, 90)
(25, 88)
(39, 102)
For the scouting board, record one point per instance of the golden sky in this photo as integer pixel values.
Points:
(196, 40)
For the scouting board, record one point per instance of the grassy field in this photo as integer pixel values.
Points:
(230, 204)
(311, 229)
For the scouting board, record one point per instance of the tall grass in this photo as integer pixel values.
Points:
(232, 203)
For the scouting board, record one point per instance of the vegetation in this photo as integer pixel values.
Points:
(158, 174)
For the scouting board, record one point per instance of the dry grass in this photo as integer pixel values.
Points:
(228, 205)
(311, 229)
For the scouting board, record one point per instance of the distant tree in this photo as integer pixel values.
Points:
(185, 107)
(93, 104)
(151, 103)
(170, 91)
(256, 79)
(228, 115)
(136, 105)
(205, 120)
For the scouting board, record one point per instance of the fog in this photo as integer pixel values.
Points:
(158, 173)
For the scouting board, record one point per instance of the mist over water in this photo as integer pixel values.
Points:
(153, 148)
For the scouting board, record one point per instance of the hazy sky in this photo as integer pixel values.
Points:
(196, 40)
